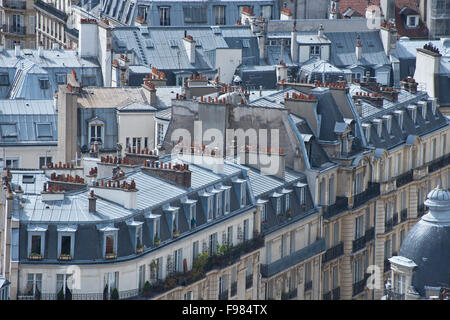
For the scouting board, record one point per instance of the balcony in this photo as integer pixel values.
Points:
(327, 296)
(223, 295)
(268, 270)
(17, 5)
(403, 215)
(248, 281)
(388, 225)
(395, 219)
(289, 295)
(14, 29)
(372, 191)
(336, 293)
(359, 286)
(339, 206)
(405, 178)
(308, 285)
(370, 234)
(333, 253)
(50, 10)
(439, 163)
(233, 290)
(359, 243)
(391, 295)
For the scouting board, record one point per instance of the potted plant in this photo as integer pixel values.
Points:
(176, 233)
(35, 256)
(147, 289)
(60, 295)
(157, 240)
(115, 294)
(139, 248)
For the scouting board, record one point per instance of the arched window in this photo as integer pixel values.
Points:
(96, 131)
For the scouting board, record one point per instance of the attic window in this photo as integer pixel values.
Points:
(149, 43)
(27, 179)
(339, 45)
(216, 30)
(198, 43)
(9, 130)
(246, 43)
(370, 44)
(43, 84)
(173, 43)
(44, 130)
(4, 79)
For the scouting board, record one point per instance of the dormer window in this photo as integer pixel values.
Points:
(413, 110)
(367, 127)
(278, 205)
(36, 242)
(66, 242)
(175, 230)
(412, 21)
(218, 204)
(240, 191)
(287, 202)
(96, 131)
(156, 229)
(8, 130)
(399, 114)
(227, 201)
(314, 51)
(110, 236)
(139, 242)
(388, 120)
(44, 84)
(379, 126)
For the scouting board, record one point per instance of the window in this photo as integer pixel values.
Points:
(223, 286)
(175, 222)
(141, 277)
(243, 194)
(220, 15)
(34, 284)
(195, 250)
(424, 153)
(331, 190)
(109, 247)
(359, 182)
(443, 144)
(9, 130)
(327, 237)
(314, 50)
(195, 14)
(278, 205)
(263, 213)
(139, 242)
(146, 142)
(164, 16)
(433, 149)
(36, 244)
(359, 227)
(89, 81)
(292, 242)
(66, 245)
(61, 78)
(266, 12)
(335, 277)
(218, 204)
(178, 260)
(136, 145)
(213, 243)
(43, 161)
(308, 272)
(96, 131)
(111, 282)
(130, 9)
(358, 269)
(302, 196)
(326, 281)
(246, 229)
(412, 21)
(322, 192)
(402, 236)
(394, 244)
(43, 84)
(160, 133)
(398, 164)
(142, 12)
(399, 283)
(268, 252)
(336, 234)
(367, 218)
(28, 179)
(230, 236)
(44, 130)
(287, 202)
(227, 201)
(62, 281)
(188, 295)
(12, 163)
(4, 79)
(387, 249)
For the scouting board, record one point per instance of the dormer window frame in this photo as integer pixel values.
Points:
(413, 110)
(114, 235)
(95, 124)
(36, 231)
(416, 21)
(400, 116)
(227, 201)
(66, 231)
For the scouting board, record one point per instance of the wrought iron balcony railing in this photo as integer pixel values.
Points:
(395, 219)
(439, 163)
(223, 295)
(11, 4)
(308, 285)
(372, 191)
(333, 253)
(359, 243)
(359, 286)
(405, 178)
(336, 293)
(387, 265)
(14, 29)
(327, 296)
(388, 225)
(370, 234)
(339, 206)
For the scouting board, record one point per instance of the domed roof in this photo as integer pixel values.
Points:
(439, 194)
(428, 245)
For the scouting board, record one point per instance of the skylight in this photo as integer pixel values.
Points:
(9, 130)
(44, 130)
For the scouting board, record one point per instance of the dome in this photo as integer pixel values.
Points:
(428, 245)
(439, 194)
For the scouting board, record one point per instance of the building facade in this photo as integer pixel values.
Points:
(18, 20)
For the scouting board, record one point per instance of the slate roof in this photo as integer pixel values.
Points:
(26, 115)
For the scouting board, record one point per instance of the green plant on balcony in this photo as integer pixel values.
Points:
(284, 295)
(176, 233)
(156, 240)
(35, 256)
(65, 257)
(115, 294)
(139, 248)
(147, 289)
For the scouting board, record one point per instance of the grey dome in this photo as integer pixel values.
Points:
(428, 245)
(439, 194)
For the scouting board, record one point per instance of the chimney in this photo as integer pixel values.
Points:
(92, 202)
(262, 46)
(122, 193)
(150, 92)
(294, 46)
(189, 45)
(176, 173)
(334, 10)
(388, 34)
(428, 62)
(40, 51)
(55, 46)
(305, 107)
(358, 49)
(285, 14)
(281, 70)
(320, 31)
(17, 49)
(247, 16)
(88, 38)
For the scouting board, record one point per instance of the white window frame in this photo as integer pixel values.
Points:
(96, 123)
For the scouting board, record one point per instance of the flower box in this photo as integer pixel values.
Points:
(176, 233)
(110, 256)
(157, 241)
(35, 256)
(65, 257)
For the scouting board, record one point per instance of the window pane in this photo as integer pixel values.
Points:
(65, 244)
(36, 244)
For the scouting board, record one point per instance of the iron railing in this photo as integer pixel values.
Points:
(308, 285)
(359, 286)
(327, 296)
(370, 234)
(372, 191)
(14, 29)
(223, 295)
(439, 163)
(391, 295)
(387, 265)
(336, 293)
(18, 5)
(388, 225)
(395, 219)
(268, 270)
(289, 295)
(333, 253)
(339, 206)
(405, 178)
(359, 243)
